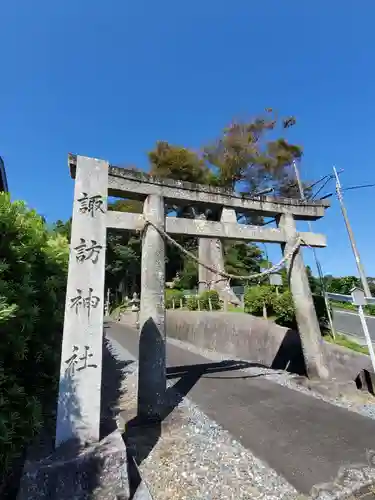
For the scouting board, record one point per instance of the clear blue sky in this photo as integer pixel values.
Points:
(108, 79)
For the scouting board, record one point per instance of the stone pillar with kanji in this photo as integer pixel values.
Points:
(78, 412)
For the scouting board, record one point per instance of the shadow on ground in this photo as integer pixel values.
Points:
(289, 356)
(143, 432)
(113, 373)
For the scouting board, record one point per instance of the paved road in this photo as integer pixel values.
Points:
(349, 322)
(304, 439)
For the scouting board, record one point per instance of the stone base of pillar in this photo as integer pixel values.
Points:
(98, 471)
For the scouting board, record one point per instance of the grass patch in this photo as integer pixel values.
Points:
(369, 309)
(343, 305)
(234, 309)
(346, 342)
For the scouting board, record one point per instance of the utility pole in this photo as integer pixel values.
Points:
(360, 268)
(318, 266)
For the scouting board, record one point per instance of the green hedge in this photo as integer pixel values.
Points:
(284, 309)
(192, 303)
(204, 300)
(172, 295)
(33, 266)
(279, 307)
(257, 297)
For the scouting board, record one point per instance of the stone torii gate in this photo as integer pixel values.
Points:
(81, 361)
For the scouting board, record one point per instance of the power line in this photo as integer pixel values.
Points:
(358, 187)
(329, 178)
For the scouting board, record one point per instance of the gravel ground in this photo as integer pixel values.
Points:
(356, 401)
(191, 457)
(195, 458)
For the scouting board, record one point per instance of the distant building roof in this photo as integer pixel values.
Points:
(3, 177)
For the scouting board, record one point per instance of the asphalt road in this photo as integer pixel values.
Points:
(348, 322)
(303, 438)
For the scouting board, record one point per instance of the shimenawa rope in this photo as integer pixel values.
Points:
(250, 277)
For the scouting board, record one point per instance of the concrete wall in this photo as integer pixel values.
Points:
(247, 337)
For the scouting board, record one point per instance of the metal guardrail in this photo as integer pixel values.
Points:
(348, 298)
(359, 299)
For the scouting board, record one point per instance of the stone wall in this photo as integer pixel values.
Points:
(243, 336)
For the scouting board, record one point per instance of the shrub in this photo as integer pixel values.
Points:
(284, 309)
(33, 266)
(258, 296)
(192, 303)
(205, 297)
(116, 309)
(370, 309)
(321, 310)
(173, 295)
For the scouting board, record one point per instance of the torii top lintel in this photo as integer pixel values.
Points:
(133, 184)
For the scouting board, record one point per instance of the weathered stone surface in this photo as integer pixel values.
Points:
(210, 252)
(152, 369)
(211, 229)
(128, 182)
(97, 472)
(306, 317)
(78, 412)
(247, 337)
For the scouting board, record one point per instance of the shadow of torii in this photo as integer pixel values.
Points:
(155, 400)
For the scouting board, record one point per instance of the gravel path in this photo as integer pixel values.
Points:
(195, 458)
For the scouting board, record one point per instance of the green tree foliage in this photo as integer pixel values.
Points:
(245, 154)
(124, 205)
(188, 276)
(123, 264)
(123, 257)
(342, 284)
(192, 303)
(207, 297)
(63, 228)
(314, 282)
(259, 297)
(33, 266)
(173, 298)
(248, 156)
(242, 259)
(280, 306)
(283, 306)
(176, 162)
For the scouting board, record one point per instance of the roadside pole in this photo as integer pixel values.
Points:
(360, 268)
(359, 299)
(367, 335)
